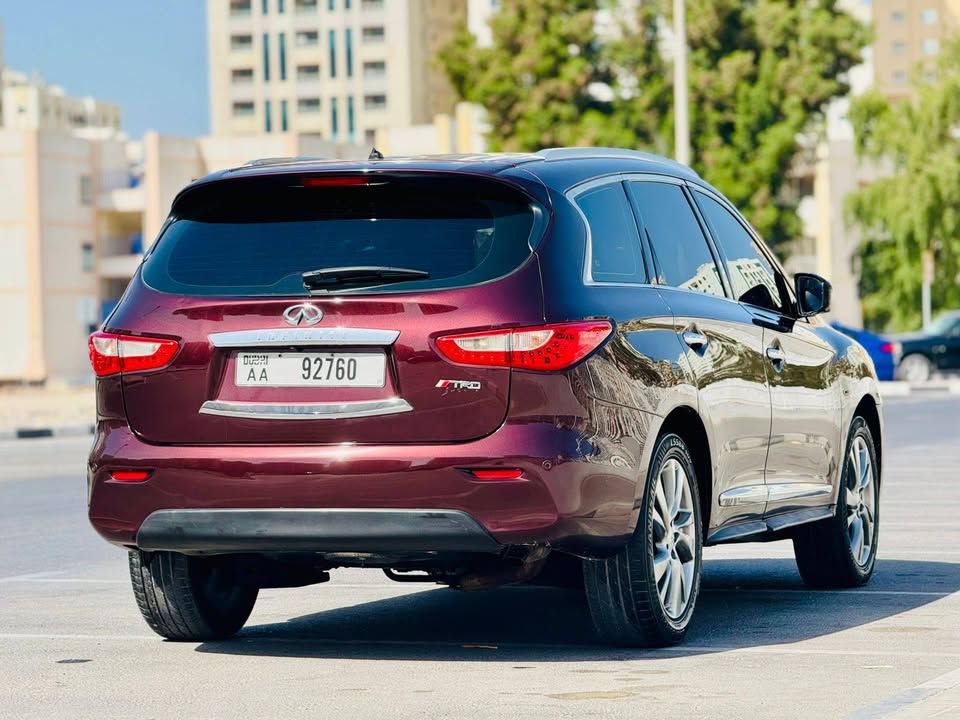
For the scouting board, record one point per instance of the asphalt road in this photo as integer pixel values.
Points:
(72, 643)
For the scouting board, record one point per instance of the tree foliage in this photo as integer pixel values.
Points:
(915, 208)
(760, 72)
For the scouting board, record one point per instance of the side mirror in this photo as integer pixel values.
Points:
(813, 294)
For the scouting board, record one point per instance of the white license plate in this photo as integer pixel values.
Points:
(319, 369)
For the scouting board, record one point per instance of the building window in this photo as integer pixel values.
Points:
(86, 257)
(283, 116)
(241, 76)
(305, 6)
(282, 42)
(350, 119)
(280, 7)
(332, 41)
(267, 120)
(373, 69)
(241, 42)
(307, 38)
(931, 46)
(266, 57)
(897, 17)
(240, 7)
(899, 77)
(930, 16)
(371, 5)
(308, 73)
(373, 34)
(348, 47)
(370, 137)
(243, 108)
(308, 105)
(86, 190)
(899, 48)
(264, 7)
(334, 119)
(346, 4)
(374, 102)
(330, 5)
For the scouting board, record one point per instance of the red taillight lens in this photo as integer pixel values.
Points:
(886, 347)
(548, 347)
(111, 353)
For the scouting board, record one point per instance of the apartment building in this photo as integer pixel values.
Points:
(340, 69)
(908, 36)
(29, 103)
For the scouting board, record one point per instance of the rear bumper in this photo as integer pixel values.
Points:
(577, 493)
(314, 530)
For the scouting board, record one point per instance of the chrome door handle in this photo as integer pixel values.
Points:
(776, 355)
(694, 339)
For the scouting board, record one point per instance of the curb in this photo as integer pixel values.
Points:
(29, 433)
(899, 388)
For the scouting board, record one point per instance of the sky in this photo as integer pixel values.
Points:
(147, 56)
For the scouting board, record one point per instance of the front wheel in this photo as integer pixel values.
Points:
(645, 594)
(915, 368)
(842, 551)
(189, 598)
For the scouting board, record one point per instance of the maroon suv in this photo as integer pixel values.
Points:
(473, 371)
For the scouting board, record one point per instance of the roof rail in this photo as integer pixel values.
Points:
(582, 153)
(265, 162)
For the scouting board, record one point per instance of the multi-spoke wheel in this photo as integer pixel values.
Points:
(842, 551)
(646, 594)
(674, 538)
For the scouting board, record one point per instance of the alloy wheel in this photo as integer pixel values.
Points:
(674, 539)
(861, 501)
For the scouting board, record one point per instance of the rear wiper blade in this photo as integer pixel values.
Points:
(326, 278)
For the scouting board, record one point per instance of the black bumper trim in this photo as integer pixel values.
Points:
(314, 530)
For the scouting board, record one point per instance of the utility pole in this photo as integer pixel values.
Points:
(928, 272)
(681, 117)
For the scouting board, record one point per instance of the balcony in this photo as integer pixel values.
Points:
(123, 200)
(119, 267)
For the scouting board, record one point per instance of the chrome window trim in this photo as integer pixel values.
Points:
(304, 337)
(305, 411)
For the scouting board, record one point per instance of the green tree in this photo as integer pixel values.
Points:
(916, 208)
(761, 72)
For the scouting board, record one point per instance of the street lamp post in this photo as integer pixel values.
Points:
(681, 118)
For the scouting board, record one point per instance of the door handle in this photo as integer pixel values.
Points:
(776, 355)
(694, 339)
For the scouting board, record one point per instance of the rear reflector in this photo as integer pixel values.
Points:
(129, 475)
(111, 353)
(549, 347)
(497, 474)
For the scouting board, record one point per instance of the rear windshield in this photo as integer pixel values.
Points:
(258, 236)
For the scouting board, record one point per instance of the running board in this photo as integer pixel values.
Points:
(755, 529)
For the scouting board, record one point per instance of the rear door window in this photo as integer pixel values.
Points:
(614, 242)
(258, 236)
(681, 253)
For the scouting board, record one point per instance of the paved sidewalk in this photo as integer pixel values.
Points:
(56, 407)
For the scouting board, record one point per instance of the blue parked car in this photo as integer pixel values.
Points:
(880, 349)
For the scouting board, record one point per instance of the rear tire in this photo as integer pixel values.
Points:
(915, 368)
(188, 598)
(831, 553)
(632, 598)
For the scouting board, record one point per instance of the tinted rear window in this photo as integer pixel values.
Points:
(256, 237)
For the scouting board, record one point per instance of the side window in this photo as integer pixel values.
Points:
(680, 250)
(614, 240)
(753, 279)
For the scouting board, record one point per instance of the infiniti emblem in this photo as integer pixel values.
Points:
(303, 314)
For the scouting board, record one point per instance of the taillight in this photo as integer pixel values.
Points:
(548, 347)
(887, 347)
(111, 353)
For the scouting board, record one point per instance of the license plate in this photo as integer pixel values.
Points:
(320, 369)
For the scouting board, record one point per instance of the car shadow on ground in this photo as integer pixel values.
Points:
(744, 603)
